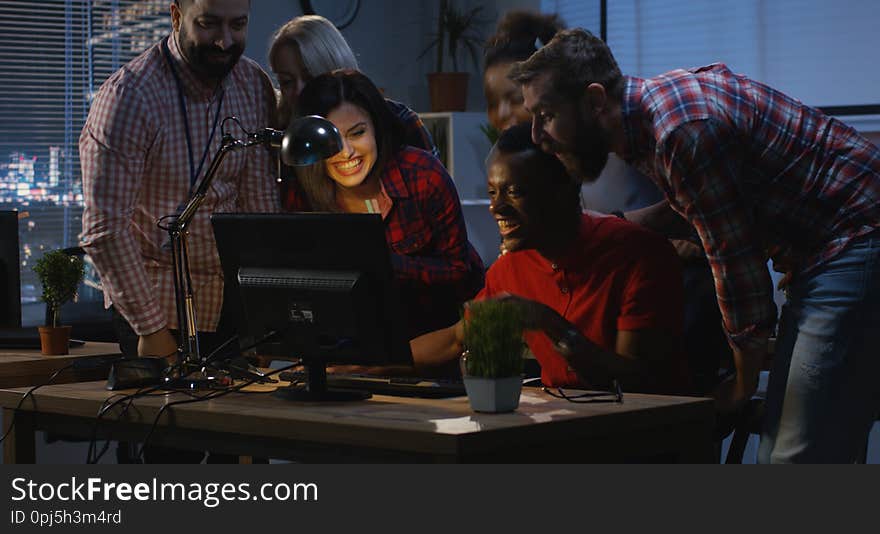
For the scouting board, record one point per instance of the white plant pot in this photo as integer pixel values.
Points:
(493, 395)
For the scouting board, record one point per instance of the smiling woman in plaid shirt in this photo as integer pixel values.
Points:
(434, 264)
(309, 45)
(758, 174)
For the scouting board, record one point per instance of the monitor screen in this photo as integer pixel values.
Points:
(10, 275)
(322, 282)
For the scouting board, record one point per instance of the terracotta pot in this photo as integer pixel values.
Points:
(448, 90)
(54, 340)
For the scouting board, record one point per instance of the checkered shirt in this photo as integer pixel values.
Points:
(135, 170)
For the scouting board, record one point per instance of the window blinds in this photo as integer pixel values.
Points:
(54, 55)
(822, 53)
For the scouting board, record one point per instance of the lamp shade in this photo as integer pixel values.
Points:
(309, 140)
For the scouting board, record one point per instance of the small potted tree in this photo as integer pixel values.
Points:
(492, 364)
(456, 30)
(60, 274)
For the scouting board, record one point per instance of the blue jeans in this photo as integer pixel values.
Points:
(824, 390)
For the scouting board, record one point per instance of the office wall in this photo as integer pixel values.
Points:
(387, 37)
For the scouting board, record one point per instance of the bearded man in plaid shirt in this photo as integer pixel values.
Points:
(151, 133)
(759, 175)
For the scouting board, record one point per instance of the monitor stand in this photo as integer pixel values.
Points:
(316, 390)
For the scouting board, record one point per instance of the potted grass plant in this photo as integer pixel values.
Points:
(457, 31)
(60, 274)
(492, 364)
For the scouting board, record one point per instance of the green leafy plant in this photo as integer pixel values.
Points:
(456, 29)
(60, 274)
(490, 132)
(493, 339)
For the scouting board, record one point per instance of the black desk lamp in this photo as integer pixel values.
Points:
(306, 141)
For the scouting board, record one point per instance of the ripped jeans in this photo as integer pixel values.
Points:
(824, 390)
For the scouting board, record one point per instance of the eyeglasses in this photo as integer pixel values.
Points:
(616, 395)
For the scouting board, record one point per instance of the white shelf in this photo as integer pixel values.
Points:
(463, 149)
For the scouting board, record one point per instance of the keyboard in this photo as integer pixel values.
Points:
(397, 386)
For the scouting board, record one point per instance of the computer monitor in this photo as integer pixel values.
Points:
(10, 274)
(322, 282)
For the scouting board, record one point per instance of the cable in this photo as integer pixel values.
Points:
(93, 456)
(219, 349)
(209, 396)
(142, 392)
(257, 343)
(148, 391)
(27, 394)
(238, 123)
(76, 364)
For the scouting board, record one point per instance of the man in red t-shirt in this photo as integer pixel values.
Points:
(602, 296)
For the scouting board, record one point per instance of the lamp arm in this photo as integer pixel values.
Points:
(227, 145)
(322, 140)
(186, 313)
(266, 136)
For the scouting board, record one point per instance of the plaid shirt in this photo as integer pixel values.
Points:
(757, 173)
(430, 253)
(415, 133)
(136, 169)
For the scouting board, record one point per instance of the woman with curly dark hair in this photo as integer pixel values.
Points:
(518, 36)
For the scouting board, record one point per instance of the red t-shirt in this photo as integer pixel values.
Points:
(618, 276)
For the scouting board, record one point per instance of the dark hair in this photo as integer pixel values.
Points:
(576, 58)
(518, 140)
(326, 92)
(515, 36)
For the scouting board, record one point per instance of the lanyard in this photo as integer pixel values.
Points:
(193, 172)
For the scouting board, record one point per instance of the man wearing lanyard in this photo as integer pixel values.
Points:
(151, 133)
(148, 141)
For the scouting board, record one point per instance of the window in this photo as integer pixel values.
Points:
(54, 55)
(793, 45)
(576, 13)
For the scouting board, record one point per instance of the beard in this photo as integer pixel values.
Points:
(587, 156)
(208, 61)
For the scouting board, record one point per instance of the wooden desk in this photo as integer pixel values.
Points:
(27, 367)
(384, 429)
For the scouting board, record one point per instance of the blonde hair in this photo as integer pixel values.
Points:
(322, 47)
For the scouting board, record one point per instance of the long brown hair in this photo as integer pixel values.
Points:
(327, 92)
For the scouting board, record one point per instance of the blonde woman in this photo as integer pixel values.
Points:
(310, 45)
